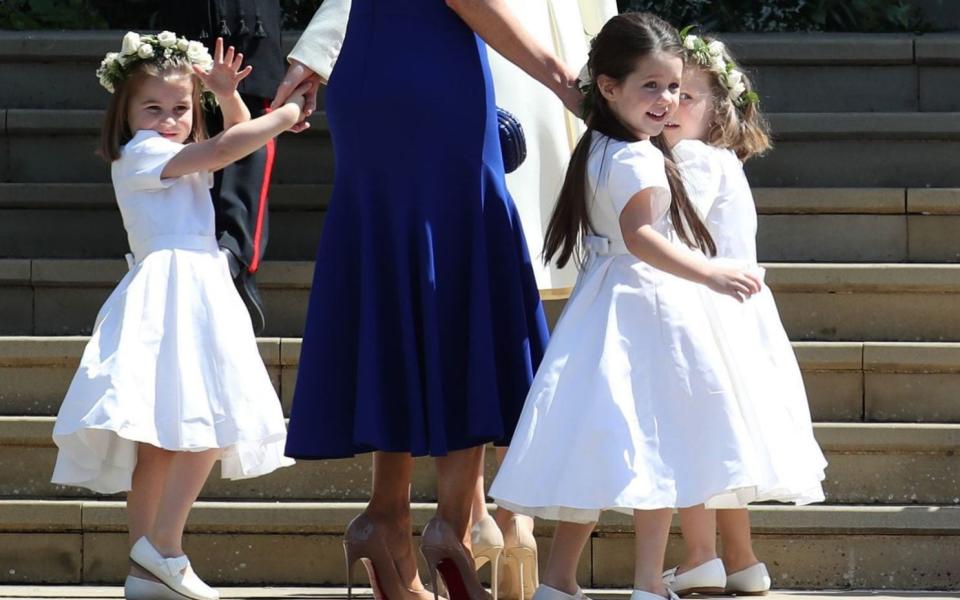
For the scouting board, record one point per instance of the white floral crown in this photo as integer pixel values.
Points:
(713, 57)
(160, 49)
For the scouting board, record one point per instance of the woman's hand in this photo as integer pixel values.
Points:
(572, 98)
(226, 73)
(732, 282)
(297, 75)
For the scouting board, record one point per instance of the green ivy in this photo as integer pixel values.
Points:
(871, 16)
(719, 15)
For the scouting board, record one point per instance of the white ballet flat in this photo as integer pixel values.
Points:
(545, 592)
(135, 588)
(708, 578)
(752, 581)
(642, 595)
(175, 573)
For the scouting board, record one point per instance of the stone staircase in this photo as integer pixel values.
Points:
(857, 225)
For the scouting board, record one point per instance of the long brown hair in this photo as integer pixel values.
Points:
(742, 129)
(623, 41)
(116, 129)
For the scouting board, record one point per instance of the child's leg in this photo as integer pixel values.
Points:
(143, 500)
(652, 528)
(569, 540)
(186, 475)
(699, 527)
(503, 515)
(737, 546)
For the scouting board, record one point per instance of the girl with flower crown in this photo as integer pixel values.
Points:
(171, 379)
(717, 127)
(640, 404)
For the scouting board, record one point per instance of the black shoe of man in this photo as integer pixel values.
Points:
(247, 287)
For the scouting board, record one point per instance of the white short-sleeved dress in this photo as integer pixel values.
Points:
(634, 405)
(172, 361)
(770, 386)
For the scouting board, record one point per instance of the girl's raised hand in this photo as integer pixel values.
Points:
(733, 283)
(226, 73)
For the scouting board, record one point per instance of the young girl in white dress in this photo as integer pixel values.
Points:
(171, 379)
(633, 408)
(717, 126)
(637, 406)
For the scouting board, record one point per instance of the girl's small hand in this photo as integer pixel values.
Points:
(297, 74)
(733, 283)
(225, 74)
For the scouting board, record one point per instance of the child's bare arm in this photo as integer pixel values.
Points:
(647, 244)
(235, 143)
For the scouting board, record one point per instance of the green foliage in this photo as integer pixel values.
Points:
(49, 14)
(77, 14)
(875, 16)
(717, 15)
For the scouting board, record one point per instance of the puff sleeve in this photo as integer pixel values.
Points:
(142, 162)
(702, 172)
(637, 167)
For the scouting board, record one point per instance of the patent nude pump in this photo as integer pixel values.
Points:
(520, 577)
(366, 543)
(487, 542)
(449, 559)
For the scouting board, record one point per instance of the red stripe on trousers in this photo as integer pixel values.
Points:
(264, 189)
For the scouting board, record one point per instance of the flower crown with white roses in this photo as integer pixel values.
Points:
(162, 49)
(713, 56)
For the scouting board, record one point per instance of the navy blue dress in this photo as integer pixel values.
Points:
(424, 326)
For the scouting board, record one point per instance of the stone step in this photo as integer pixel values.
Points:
(812, 150)
(93, 592)
(33, 140)
(29, 210)
(796, 224)
(869, 464)
(828, 302)
(845, 381)
(794, 72)
(237, 543)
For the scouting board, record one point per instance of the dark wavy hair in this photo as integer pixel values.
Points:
(623, 41)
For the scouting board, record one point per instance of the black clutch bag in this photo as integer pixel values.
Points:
(512, 141)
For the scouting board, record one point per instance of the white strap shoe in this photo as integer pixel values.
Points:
(545, 592)
(708, 578)
(175, 573)
(752, 581)
(642, 595)
(135, 588)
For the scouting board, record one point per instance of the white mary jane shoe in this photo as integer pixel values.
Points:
(752, 581)
(708, 578)
(545, 592)
(175, 573)
(642, 595)
(135, 588)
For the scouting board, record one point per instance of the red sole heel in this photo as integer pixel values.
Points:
(454, 582)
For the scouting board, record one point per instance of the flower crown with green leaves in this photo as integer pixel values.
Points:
(161, 49)
(712, 56)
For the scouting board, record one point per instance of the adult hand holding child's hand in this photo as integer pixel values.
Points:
(226, 72)
(297, 76)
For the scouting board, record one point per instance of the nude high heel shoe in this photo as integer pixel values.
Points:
(520, 571)
(447, 557)
(487, 542)
(365, 543)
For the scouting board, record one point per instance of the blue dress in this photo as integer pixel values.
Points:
(424, 326)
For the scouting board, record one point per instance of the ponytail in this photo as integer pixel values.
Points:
(571, 217)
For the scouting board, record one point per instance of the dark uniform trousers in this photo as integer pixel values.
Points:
(240, 190)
